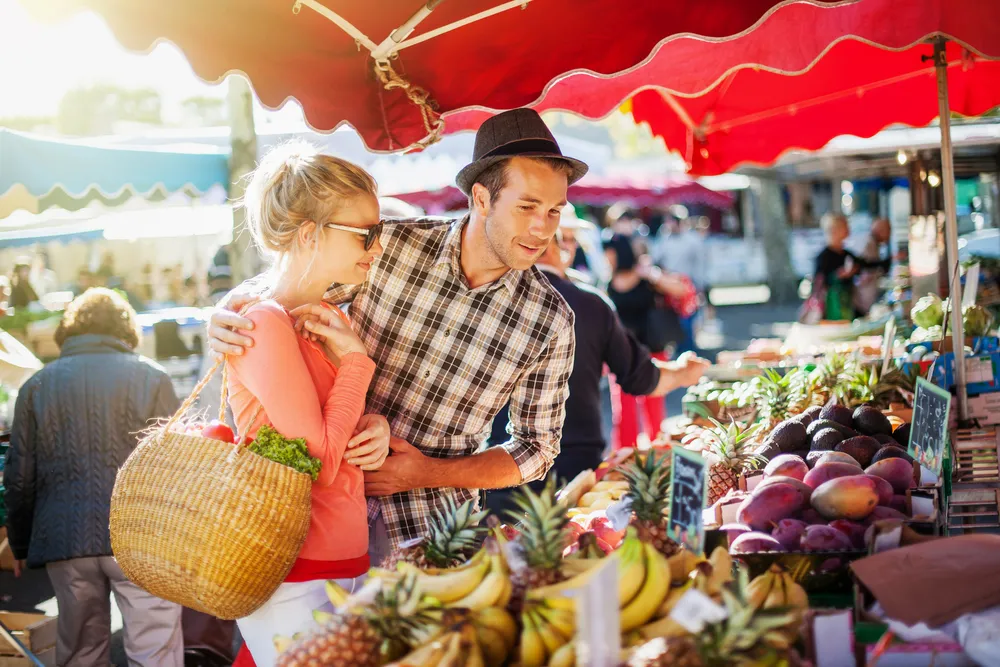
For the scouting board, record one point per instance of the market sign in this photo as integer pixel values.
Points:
(687, 499)
(929, 428)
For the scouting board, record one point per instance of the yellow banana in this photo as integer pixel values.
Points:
(631, 569)
(673, 597)
(427, 655)
(574, 566)
(323, 617)
(532, 649)
(651, 595)
(562, 621)
(282, 644)
(722, 570)
(452, 584)
(552, 639)
(682, 564)
(663, 627)
(564, 657)
(454, 652)
(474, 656)
(592, 498)
(494, 645)
(489, 590)
(508, 591)
(553, 595)
(497, 618)
(610, 485)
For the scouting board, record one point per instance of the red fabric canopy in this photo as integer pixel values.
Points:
(598, 191)
(289, 49)
(756, 116)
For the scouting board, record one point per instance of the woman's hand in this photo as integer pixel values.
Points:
(328, 329)
(370, 444)
(224, 325)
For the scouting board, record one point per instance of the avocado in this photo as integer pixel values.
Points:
(902, 435)
(768, 450)
(813, 412)
(820, 424)
(886, 439)
(861, 448)
(803, 419)
(870, 421)
(789, 436)
(839, 414)
(826, 439)
(801, 453)
(891, 452)
(813, 458)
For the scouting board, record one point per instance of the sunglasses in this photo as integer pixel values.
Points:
(371, 234)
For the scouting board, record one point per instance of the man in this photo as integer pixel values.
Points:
(459, 322)
(601, 339)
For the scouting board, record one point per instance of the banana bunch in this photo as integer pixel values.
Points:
(602, 495)
(482, 581)
(485, 639)
(545, 632)
(776, 588)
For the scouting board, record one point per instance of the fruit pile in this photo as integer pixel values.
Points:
(832, 472)
(928, 314)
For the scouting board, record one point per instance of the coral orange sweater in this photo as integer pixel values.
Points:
(305, 396)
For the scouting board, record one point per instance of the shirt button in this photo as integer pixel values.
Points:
(447, 332)
(427, 374)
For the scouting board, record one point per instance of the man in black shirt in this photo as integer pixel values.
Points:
(600, 339)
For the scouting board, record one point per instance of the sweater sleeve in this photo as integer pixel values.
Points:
(274, 371)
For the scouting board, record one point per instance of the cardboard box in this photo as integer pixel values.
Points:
(36, 632)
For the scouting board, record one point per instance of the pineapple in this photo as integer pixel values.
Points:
(649, 491)
(827, 377)
(543, 521)
(369, 636)
(729, 454)
(803, 387)
(774, 402)
(454, 534)
(746, 637)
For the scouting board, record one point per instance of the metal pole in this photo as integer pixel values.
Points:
(951, 227)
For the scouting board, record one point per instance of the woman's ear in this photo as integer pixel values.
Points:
(308, 234)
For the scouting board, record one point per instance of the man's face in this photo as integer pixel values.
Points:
(521, 222)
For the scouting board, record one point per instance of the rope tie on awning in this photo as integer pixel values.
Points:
(433, 124)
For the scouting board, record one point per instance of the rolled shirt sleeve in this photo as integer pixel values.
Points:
(538, 406)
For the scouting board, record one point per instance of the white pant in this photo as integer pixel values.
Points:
(288, 612)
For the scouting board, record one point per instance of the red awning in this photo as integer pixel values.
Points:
(489, 52)
(599, 191)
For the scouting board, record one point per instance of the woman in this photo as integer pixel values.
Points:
(74, 425)
(318, 217)
(637, 289)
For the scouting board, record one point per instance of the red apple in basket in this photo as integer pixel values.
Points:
(216, 430)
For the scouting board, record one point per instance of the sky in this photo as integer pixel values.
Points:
(40, 62)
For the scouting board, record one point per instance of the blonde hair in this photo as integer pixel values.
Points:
(293, 184)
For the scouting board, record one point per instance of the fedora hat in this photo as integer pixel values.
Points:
(514, 133)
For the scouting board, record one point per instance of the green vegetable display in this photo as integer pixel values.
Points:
(293, 453)
(928, 311)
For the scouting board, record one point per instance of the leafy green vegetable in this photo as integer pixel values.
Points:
(293, 453)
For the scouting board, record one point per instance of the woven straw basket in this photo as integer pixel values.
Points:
(207, 524)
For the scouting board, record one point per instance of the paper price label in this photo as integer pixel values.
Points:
(695, 610)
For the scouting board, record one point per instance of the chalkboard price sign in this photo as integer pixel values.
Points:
(929, 428)
(687, 499)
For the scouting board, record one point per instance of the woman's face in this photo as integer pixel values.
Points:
(340, 256)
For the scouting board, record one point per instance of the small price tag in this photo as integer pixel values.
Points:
(687, 499)
(888, 336)
(598, 637)
(620, 513)
(971, 286)
(695, 610)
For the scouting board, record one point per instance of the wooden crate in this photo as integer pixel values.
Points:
(975, 455)
(36, 632)
(973, 509)
(46, 657)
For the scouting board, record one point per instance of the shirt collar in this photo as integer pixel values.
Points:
(451, 253)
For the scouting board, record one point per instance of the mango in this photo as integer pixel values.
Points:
(787, 465)
(882, 513)
(780, 479)
(812, 517)
(788, 532)
(824, 472)
(851, 497)
(754, 542)
(824, 538)
(884, 490)
(854, 531)
(838, 457)
(896, 471)
(770, 504)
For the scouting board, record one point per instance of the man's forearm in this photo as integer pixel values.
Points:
(493, 469)
(667, 382)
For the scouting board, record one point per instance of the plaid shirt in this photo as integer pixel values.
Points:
(448, 358)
